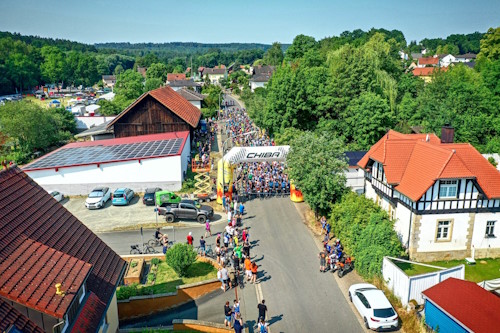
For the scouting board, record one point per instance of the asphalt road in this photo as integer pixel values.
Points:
(298, 296)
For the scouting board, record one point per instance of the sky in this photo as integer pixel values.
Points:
(224, 21)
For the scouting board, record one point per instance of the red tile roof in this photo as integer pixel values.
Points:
(175, 76)
(90, 315)
(428, 71)
(413, 164)
(12, 317)
(428, 61)
(475, 308)
(172, 101)
(28, 214)
(28, 276)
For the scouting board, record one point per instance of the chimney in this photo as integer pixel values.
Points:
(447, 133)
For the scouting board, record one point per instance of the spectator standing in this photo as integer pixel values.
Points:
(254, 272)
(322, 261)
(262, 311)
(207, 228)
(248, 268)
(238, 323)
(225, 277)
(219, 277)
(227, 314)
(190, 238)
(263, 326)
(202, 246)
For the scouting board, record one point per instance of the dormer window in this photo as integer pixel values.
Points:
(448, 189)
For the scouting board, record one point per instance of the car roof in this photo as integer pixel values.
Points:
(101, 188)
(121, 189)
(377, 299)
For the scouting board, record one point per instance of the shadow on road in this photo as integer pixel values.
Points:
(275, 319)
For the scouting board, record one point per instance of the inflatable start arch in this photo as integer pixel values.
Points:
(225, 167)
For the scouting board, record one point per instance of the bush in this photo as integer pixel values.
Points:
(155, 261)
(366, 232)
(180, 257)
(125, 292)
(151, 277)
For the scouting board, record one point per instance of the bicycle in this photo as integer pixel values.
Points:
(146, 249)
(209, 252)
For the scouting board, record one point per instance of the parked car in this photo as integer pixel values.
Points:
(375, 309)
(122, 196)
(98, 198)
(57, 195)
(149, 196)
(184, 210)
(164, 198)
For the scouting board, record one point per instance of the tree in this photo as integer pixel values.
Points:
(490, 46)
(108, 108)
(316, 165)
(52, 68)
(369, 117)
(180, 257)
(153, 83)
(129, 84)
(300, 45)
(274, 55)
(157, 71)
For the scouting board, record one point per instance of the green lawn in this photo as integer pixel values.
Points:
(484, 269)
(167, 280)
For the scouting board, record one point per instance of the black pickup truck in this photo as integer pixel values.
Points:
(186, 210)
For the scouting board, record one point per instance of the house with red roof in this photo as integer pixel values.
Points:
(136, 162)
(175, 76)
(444, 197)
(427, 62)
(457, 306)
(55, 274)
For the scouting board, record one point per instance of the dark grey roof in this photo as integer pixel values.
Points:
(353, 157)
(260, 78)
(416, 55)
(214, 71)
(183, 83)
(108, 77)
(467, 56)
(258, 70)
(470, 64)
(190, 95)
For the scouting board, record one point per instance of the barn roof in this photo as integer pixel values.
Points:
(172, 101)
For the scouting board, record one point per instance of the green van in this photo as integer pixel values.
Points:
(163, 198)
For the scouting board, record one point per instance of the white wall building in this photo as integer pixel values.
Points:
(135, 162)
(443, 197)
(86, 122)
(355, 176)
(447, 60)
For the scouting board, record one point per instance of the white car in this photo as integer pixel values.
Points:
(375, 309)
(57, 195)
(98, 198)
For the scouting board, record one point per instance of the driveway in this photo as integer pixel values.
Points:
(119, 218)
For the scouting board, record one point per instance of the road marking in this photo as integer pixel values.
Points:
(260, 297)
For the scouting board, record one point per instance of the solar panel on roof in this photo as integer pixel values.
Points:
(101, 154)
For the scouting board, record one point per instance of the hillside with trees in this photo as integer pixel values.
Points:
(355, 86)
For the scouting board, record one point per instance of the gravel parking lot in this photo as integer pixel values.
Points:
(117, 218)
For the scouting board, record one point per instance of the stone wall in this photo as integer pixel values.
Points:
(201, 326)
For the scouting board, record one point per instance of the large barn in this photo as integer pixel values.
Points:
(135, 162)
(157, 111)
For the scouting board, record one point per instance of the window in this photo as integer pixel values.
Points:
(490, 229)
(448, 189)
(443, 231)
(380, 171)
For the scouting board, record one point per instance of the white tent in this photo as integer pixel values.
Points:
(92, 108)
(491, 285)
(109, 96)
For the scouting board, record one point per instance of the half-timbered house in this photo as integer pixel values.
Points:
(444, 197)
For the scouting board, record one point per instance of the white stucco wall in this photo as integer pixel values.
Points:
(369, 191)
(355, 179)
(164, 172)
(479, 241)
(255, 85)
(428, 243)
(196, 103)
(402, 223)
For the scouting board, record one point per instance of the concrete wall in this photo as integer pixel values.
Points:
(201, 326)
(355, 179)
(165, 172)
(486, 247)
(402, 223)
(146, 305)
